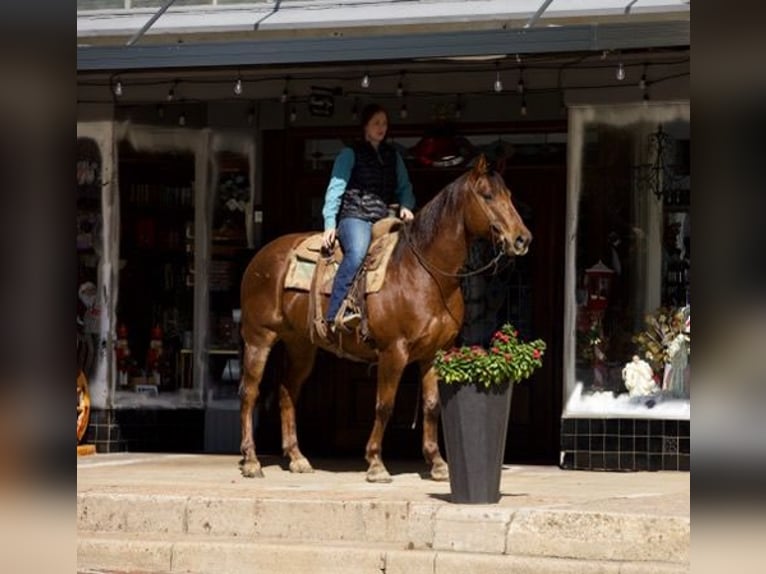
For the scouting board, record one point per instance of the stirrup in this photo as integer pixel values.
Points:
(351, 320)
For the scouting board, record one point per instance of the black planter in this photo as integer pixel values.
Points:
(475, 424)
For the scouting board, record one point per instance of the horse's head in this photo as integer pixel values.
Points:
(491, 213)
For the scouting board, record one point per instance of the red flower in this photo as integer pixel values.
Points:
(536, 353)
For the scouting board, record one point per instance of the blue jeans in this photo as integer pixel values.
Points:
(354, 236)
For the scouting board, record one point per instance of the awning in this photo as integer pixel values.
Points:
(317, 32)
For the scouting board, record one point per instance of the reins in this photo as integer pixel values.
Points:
(434, 269)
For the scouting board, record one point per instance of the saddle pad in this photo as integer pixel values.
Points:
(303, 261)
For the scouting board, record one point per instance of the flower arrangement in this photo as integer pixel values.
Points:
(667, 332)
(508, 359)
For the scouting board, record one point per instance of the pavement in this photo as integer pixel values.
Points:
(165, 513)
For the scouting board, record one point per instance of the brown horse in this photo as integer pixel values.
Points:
(418, 311)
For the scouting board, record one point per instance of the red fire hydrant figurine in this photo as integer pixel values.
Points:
(154, 356)
(122, 352)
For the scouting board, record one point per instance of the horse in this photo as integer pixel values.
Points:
(417, 311)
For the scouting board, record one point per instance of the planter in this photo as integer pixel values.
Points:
(475, 424)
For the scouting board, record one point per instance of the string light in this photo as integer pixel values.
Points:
(403, 112)
(523, 109)
(620, 74)
(285, 93)
(118, 88)
(171, 93)
(182, 119)
(365, 81)
(518, 58)
(400, 86)
(293, 114)
(498, 86)
(642, 81)
(520, 85)
(238, 87)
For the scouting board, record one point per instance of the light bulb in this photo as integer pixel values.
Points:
(399, 90)
(642, 82)
(366, 81)
(283, 97)
(293, 114)
(498, 83)
(238, 87)
(118, 88)
(620, 74)
(171, 95)
(182, 119)
(646, 98)
(403, 111)
(523, 107)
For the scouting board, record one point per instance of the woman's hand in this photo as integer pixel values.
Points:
(328, 239)
(405, 214)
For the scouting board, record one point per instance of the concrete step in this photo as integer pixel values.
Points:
(489, 532)
(134, 553)
(152, 513)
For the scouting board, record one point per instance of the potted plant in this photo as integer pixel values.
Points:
(475, 388)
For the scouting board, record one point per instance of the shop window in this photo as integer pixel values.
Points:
(631, 332)
(156, 279)
(89, 254)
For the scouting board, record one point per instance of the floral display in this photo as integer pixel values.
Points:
(507, 359)
(668, 332)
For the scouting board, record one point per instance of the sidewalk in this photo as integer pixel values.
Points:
(195, 513)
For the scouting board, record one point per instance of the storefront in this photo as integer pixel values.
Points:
(206, 150)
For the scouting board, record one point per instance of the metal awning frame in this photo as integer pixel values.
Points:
(369, 49)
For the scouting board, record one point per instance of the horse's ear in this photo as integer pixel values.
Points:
(480, 167)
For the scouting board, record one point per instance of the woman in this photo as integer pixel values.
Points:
(366, 178)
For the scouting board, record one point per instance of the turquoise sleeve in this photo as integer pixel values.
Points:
(341, 172)
(403, 186)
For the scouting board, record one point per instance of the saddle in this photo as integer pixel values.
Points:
(312, 270)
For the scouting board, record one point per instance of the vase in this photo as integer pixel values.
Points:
(475, 424)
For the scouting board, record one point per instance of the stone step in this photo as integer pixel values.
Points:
(138, 553)
(429, 528)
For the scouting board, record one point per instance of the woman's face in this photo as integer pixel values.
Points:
(375, 129)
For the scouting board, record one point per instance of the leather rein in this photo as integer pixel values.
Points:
(434, 269)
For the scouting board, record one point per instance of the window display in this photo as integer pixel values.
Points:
(628, 268)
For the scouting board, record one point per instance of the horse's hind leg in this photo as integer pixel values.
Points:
(256, 353)
(439, 469)
(301, 355)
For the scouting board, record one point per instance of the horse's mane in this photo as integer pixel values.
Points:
(424, 227)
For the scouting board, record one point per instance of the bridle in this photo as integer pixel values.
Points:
(498, 240)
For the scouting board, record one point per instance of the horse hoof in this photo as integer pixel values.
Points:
(440, 472)
(379, 475)
(301, 465)
(251, 469)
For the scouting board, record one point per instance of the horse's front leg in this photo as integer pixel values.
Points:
(391, 364)
(431, 410)
(254, 362)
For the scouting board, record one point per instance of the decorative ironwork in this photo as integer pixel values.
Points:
(663, 177)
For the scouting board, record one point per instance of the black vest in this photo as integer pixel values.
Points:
(372, 185)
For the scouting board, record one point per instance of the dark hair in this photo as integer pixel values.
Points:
(369, 111)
